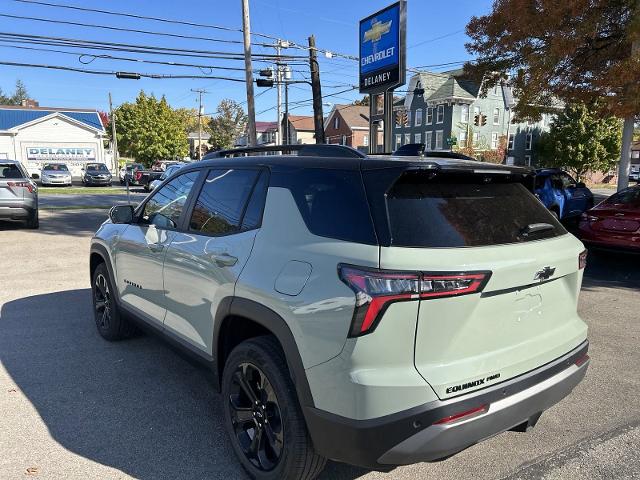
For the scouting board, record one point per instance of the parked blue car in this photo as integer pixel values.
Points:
(561, 194)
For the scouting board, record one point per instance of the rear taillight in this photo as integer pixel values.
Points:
(582, 259)
(138, 176)
(26, 185)
(376, 289)
(466, 415)
(582, 360)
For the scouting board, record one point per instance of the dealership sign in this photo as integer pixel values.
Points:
(382, 49)
(61, 154)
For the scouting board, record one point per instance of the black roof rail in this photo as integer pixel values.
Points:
(308, 150)
(418, 150)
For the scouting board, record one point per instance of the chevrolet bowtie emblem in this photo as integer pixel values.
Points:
(376, 31)
(544, 274)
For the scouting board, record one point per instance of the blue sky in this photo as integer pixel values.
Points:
(435, 34)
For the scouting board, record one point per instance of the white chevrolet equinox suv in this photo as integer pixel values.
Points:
(378, 311)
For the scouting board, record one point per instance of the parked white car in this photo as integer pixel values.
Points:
(55, 174)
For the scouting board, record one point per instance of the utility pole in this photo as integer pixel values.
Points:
(199, 91)
(318, 118)
(279, 90)
(114, 147)
(251, 109)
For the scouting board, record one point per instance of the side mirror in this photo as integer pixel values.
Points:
(121, 214)
(35, 176)
(581, 185)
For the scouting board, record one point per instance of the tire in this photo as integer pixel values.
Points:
(258, 366)
(111, 324)
(33, 222)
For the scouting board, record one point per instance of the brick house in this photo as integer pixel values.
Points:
(349, 125)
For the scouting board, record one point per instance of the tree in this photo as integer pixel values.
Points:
(363, 101)
(19, 94)
(104, 118)
(577, 51)
(150, 130)
(581, 141)
(227, 125)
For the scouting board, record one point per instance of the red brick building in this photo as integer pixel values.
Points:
(349, 125)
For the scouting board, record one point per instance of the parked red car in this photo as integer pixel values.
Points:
(615, 222)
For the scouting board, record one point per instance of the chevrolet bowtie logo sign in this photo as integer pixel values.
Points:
(377, 30)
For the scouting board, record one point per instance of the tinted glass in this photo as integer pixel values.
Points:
(469, 214)
(219, 208)
(253, 214)
(10, 170)
(630, 196)
(56, 166)
(332, 202)
(97, 167)
(165, 206)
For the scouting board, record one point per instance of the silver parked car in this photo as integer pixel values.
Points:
(18, 194)
(55, 174)
(171, 169)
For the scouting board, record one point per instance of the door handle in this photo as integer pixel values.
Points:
(224, 259)
(156, 247)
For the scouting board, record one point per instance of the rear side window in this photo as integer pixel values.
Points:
(221, 203)
(332, 202)
(10, 170)
(464, 213)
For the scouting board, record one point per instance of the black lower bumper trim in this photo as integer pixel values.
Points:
(364, 442)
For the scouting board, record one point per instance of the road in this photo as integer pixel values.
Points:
(73, 406)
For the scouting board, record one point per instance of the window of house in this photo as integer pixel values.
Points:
(428, 140)
(464, 114)
(476, 139)
(635, 154)
(462, 138)
(527, 160)
(344, 140)
(440, 114)
(398, 141)
(529, 141)
(407, 138)
(417, 138)
(511, 140)
(418, 117)
(496, 116)
(429, 116)
(336, 122)
(439, 139)
(494, 140)
(365, 140)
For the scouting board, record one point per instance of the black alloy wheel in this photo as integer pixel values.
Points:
(256, 417)
(102, 302)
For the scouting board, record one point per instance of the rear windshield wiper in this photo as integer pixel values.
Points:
(536, 228)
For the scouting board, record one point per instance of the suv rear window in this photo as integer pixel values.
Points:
(10, 170)
(463, 211)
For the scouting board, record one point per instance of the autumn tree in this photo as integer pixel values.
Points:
(227, 124)
(149, 129)
(580, 141)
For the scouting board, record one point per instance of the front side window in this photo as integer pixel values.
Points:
(440, 114)
(221, 202)
(165, 206)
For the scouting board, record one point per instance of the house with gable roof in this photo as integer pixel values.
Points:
(38, 135)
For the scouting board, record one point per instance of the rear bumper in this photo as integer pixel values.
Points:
(609, 240)
(413, 436)
(15, 212)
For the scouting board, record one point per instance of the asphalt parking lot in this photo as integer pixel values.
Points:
(73, 406)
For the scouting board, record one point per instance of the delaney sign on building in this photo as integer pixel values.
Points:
(382, 49)
(61, 154)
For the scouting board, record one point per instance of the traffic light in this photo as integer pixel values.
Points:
(264, 82)
(476, 120)
(267, 72)
(483, 120)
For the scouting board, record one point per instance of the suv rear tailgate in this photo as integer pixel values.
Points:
(515, 325)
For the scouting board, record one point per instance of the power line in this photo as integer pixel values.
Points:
(297, 103)
(108, 72)
(179, 22)
(93, 57)
(446, 35)
(122, 29)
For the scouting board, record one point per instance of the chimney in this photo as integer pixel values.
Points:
(29, 103)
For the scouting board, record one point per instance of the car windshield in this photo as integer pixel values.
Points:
(134, 166)
(10, 170)
(97, 167)
(630, 196)
(60, 167)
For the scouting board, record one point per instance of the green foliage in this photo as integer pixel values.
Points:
(227, 125)
(19, 94)
(150, 130)
(580, 141)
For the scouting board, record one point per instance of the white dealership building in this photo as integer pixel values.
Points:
(39, 135)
